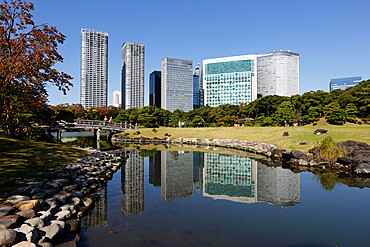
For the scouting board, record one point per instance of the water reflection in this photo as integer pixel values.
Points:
(97, 217)
(132, 184)
(176, 175)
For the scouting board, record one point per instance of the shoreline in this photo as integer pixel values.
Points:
(294, 158)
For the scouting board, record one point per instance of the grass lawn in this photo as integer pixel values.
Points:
(273, 135)
(28, 159)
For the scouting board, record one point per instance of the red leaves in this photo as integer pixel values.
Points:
(27, 55)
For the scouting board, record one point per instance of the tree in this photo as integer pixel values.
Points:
(28, 53)
(351, 112)
(284, 114)
(198, 121)
(337, 116)
(227, 121)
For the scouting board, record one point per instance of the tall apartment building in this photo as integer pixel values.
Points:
(132, 75)
(278, 74)
(155, 89)
(242, 79)
(177, 84)
(117, 98)
(230, 80)
(344, 83)
(94, 68)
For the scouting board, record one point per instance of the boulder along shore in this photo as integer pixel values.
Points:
(48, 211)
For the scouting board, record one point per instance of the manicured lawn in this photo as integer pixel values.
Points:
(273, 135)
(29, 159)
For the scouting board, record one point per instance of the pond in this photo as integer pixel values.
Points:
(191, 198)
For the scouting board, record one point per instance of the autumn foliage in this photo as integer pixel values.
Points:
(28, 53)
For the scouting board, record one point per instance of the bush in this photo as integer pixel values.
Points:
(213, 125)
(359, 122)
(126, 134)
(329, 150)
(314, 124)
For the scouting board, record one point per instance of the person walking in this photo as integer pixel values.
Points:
(110, 120)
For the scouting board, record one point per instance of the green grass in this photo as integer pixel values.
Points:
(26, 160)
(272, 135)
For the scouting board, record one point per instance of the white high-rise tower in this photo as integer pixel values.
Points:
(132, 75)
(94, 68)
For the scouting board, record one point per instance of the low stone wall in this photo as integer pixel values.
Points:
(48, 212)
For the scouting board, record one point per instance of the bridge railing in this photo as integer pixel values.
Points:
(105, 124)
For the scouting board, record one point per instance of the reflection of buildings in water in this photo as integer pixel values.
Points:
(198, 164)
(98, 216)
(176, 175)
(155, 169)
(278, 186)
(229, 177)
(132, 184)
(241, 179)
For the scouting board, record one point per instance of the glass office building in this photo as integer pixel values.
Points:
(177, 84)
(344, 83)
(155, 89)
(94, 68)
(230, 80)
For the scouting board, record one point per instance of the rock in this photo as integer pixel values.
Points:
(10, 222)
(35, 222)
(51, 185)
(62, 215)
(61, 198)
(44, 215)
(25, 244)
(296, 154)
(45, 244)
(286, 134)
(363, 168)
(40, 195)
(62, 182)
(28, 205)
(6, 210)
(53, 232)
(320, 132)
(8, 237)
(17, 198)
(62, 224)
(303, 143)
(27, 213)
(286, 155)
(75, 201)
(87, 201)
(344, 161)
(30, 232)
(72, 225)
(67, 244)
(71, 187)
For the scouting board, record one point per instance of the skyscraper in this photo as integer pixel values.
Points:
(117, 99)
(155, 89)
(177, 84)
(195, 91)
(278, 74)
(230, 80)
(132, 75)
(344, 83)
(94, 68)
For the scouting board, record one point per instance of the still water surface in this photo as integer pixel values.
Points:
(209, 199)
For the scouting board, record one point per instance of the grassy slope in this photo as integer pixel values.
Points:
(271, 135)
(29, 159)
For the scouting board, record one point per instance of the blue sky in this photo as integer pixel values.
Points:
(331, 36)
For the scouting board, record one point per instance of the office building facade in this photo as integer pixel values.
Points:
(155, 89)
(177, 84)
(94, 68)
(117, 99)
(278, 74)
(132, 75)
(230, 80)
(344, 83)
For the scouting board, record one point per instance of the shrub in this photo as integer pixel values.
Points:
(329, 150)
(314, 124)
(126, 134)
(213, 125)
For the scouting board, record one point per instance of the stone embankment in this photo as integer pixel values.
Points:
(357, 160)
(48, 212)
